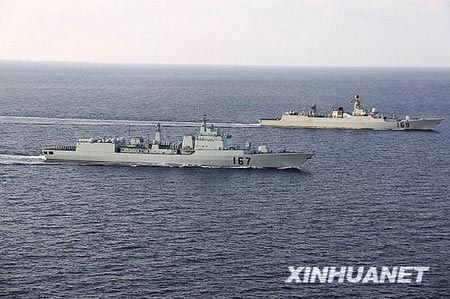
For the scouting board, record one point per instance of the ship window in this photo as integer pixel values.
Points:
(45, 152)
(50, 153)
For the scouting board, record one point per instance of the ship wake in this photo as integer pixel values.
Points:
(5, 119)
(21, 159)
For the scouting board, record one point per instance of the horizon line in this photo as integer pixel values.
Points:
(216, 65)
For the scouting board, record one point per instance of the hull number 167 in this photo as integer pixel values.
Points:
(241, 160)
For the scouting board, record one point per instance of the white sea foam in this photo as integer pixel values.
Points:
(20, 159)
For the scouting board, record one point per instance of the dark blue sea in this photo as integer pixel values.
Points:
(367, 198)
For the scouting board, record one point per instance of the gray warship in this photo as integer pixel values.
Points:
(360, 118)
(209, 149)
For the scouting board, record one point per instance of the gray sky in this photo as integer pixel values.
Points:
(253, 32)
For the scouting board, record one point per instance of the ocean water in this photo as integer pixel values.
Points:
(368, 198)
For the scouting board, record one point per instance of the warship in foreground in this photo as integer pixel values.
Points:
(358, 119)
(209, 149)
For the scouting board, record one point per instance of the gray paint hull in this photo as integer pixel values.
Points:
(201, 158)
(300, 121)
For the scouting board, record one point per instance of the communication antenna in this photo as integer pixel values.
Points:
(321, 104)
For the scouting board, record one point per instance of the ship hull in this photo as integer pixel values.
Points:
(355, 123)
(203, 158)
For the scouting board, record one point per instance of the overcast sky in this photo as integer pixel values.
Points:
(253, 32)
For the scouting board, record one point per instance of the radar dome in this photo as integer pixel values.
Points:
(374, 110)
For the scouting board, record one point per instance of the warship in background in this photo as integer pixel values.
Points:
(209, 149)
(358, 119)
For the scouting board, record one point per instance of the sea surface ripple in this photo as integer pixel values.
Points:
(367, 198)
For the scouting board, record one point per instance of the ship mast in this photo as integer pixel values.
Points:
(203, 125)
(356, 102)
(157, 134)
